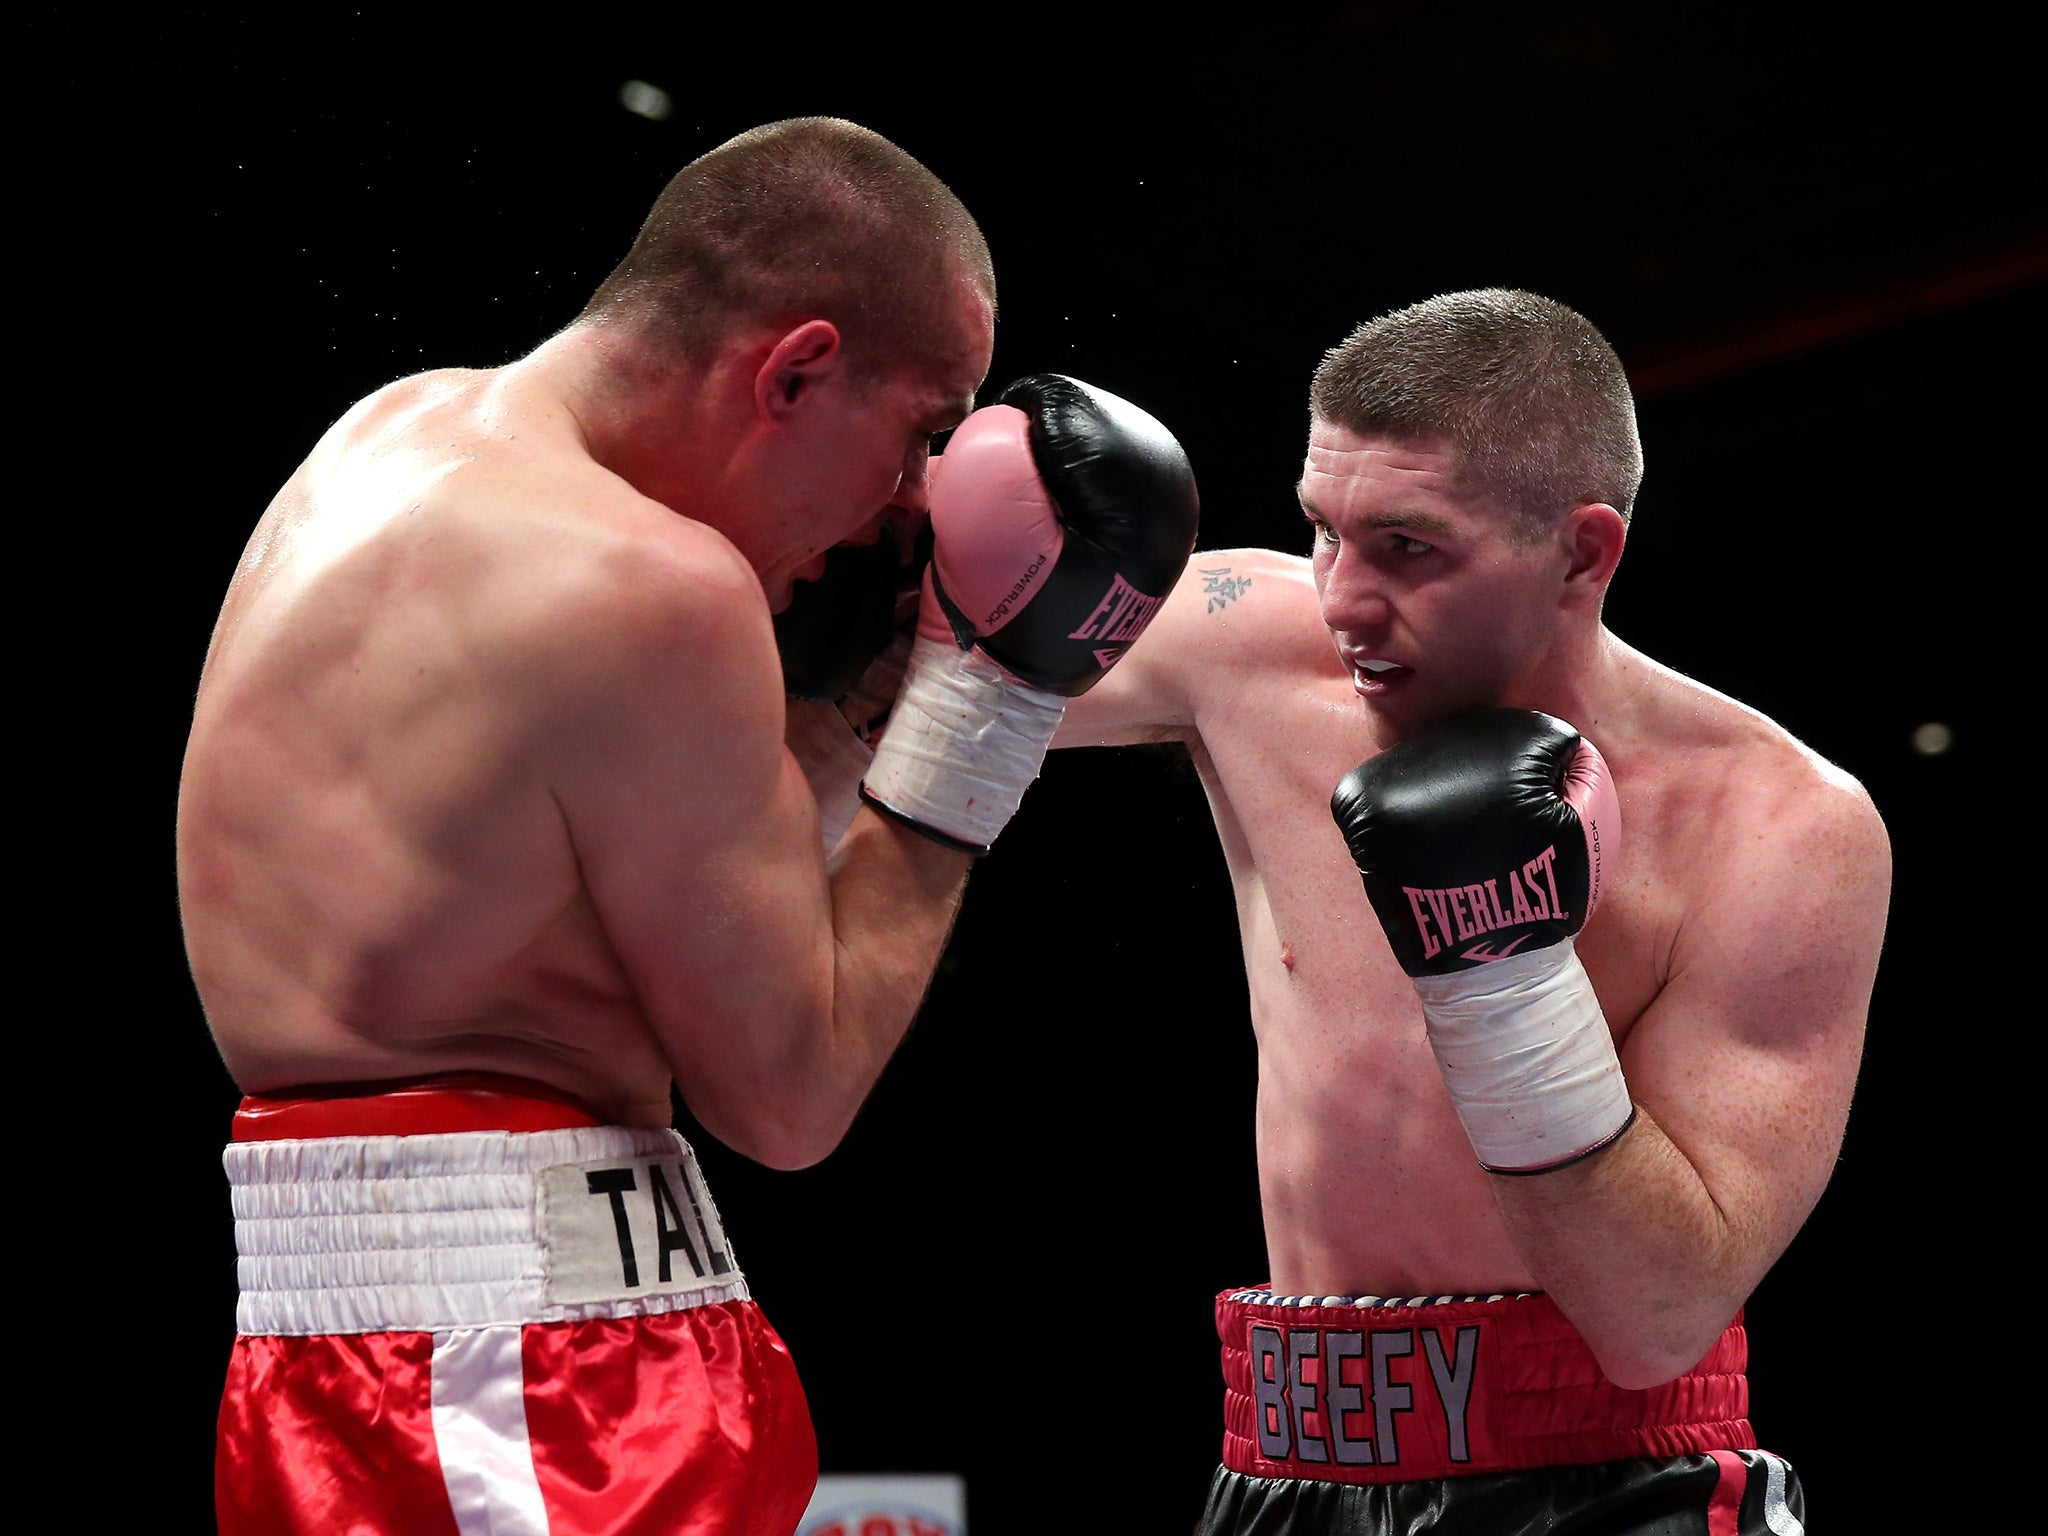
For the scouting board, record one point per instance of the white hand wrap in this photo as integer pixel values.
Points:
(1528, 1058)
(834, 743)
(833, 759)
(962, 745)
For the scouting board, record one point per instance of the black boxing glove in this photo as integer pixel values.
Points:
(834, 743)
(1070, 515)
(1061, 517)
(844, 639)
(1484, 844)
(838, 623)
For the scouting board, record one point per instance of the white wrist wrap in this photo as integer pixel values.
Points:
(834, 743)
(833, 759)
(962, 745)
(1528, 1058)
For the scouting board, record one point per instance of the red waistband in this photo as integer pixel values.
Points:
(422, 1106)
(1394, 1393)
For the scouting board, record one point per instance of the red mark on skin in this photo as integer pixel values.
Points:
(1287, 957)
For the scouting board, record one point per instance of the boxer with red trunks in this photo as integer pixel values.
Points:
(458, 1296)
(509, 809)
(1558, 964)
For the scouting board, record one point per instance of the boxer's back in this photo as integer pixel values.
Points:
(375, 878)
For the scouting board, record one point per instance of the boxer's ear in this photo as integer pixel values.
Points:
(800, 360)
(1593, 535)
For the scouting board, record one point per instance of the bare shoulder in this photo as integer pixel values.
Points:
(1758, 819)
(1750, 759)
(631, 596)
(1250, 594)
(1249, 615)
(639, 564)
(582, 609)
(407, 417)
(1749, 925)
(563, 568)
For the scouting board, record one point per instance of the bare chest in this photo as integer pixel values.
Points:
(1314, 949)
(1367, 1181)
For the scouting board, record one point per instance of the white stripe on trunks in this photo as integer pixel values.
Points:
(1778, 1514)
(479, 1402)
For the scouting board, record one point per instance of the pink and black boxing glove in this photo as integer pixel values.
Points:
(1061, 517)
(1484, 844)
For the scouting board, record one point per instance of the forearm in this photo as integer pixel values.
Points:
(895, 895)
(1016, 618)
(893, 899)
(1614, 1219)
(1483, 847)
(1632, 1245)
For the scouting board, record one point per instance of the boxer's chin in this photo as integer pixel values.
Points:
(781, 589)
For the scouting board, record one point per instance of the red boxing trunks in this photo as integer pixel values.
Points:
(1370, 1415)
(467, 1307)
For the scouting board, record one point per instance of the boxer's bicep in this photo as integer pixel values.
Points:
(741, 966)
(1143, 697)
(780, 983)
(693, 828)
(1749, 1055)
(1202, 639)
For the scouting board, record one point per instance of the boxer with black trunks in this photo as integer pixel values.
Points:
(1558, 964)
(508, 809)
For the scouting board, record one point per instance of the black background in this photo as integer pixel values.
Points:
(1818, 244)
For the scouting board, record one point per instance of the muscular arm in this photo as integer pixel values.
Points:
(1198, 634)
(778, 989)
(1741, 1070)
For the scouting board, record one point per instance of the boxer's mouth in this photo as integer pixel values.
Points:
(1371, 675)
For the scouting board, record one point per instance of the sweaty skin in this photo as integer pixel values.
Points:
(1733, 954)
(487, 768)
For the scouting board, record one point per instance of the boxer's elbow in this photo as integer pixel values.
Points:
(787, 1149)
(782, 1142)
(779, 1125)
(1653, 1352)
(1640, 1370)
(768, 1085)
(780, 1154)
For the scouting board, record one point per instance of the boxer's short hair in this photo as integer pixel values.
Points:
(809, 218)
(1533, 399)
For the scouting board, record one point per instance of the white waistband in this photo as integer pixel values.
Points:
(373, 1234)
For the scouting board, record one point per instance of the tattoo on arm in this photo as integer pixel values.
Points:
(1222, 587)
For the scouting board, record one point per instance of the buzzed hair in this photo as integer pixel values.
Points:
(1531, 396)
(808, 218)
